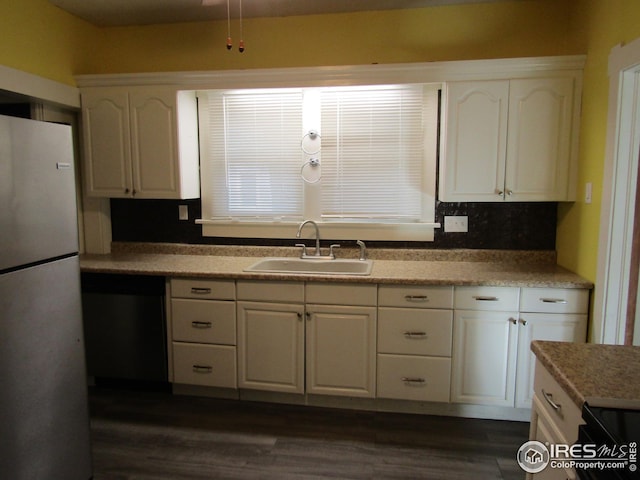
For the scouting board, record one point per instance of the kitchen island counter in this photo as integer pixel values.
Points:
(602, 375)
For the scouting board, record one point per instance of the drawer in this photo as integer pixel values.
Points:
(203, 288)
(486, 298)
(554, 300)
(207, 365)
(557, 404)
(415, 297)
(415, 332)
(268, 291)
(408, 377)
(342, 294)
(203, 321)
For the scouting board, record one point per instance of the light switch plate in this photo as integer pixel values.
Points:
(458, 223)
(183, 212)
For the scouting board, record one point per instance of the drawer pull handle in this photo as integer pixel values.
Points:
(483, 298)
(202, 369)
(416, 298)
(415, 334)
(549, 398)
(413, 380)
(201, 290)
(197, 324)
(554, 300)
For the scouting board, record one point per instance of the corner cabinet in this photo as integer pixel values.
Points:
(140, 143)
(510, 140)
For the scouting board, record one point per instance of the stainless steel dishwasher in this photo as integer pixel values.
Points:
(125, 327)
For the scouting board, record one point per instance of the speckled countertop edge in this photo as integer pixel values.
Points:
(417, 267)
(602, 375)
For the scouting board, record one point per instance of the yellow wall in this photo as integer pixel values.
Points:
(490, 30)
(603, 24)
(41, 39)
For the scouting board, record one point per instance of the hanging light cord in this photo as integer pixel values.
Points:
(241, 44)
(229, 43)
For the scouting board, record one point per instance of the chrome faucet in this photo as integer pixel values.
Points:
(304, 251)
(363, 250)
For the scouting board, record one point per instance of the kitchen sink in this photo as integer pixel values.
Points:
(312, 266)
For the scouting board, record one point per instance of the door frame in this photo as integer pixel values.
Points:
(618, 196)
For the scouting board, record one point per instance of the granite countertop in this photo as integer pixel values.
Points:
(601, 375)
(417, 267)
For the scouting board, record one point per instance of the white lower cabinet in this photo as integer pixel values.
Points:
(414, 342)
(462, 345)
(492, 360)
(555, 419)
(341, 350)
(202, 332)
(271, 336)
(341, 339)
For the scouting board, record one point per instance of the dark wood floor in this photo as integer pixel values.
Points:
(152, 435)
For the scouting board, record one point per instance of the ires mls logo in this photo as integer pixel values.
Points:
(534, 456)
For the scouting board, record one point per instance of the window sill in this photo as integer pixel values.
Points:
(423, 232)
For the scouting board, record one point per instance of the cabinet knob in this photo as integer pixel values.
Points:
(126, 191)
(522, 321)
(513, 320)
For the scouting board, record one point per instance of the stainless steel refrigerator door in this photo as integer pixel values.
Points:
(44, 426)
(38, 218)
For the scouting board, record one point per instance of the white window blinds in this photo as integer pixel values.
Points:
(252, 148)
(376, 171)
(372, 152)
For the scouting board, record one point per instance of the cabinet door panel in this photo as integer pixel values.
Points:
(473, 159)
(484, 357)
(539, 144)
(154, 139)
(341, 350)
(271, 347)
(542, 326)
(107, 162)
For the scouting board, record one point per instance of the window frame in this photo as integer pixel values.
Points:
(344, 229)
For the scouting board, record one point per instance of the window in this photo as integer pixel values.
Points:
(360, 161)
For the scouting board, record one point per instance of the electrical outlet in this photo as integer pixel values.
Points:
(456, 224)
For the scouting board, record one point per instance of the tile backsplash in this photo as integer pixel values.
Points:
(500, 226)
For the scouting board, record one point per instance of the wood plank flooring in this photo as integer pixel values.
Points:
(142, 435)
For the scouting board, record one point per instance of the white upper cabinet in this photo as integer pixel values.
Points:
(140, 143)
(510, 140)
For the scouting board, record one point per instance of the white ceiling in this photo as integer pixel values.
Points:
(144, 12)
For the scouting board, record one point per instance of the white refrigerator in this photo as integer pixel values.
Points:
(44, 419)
